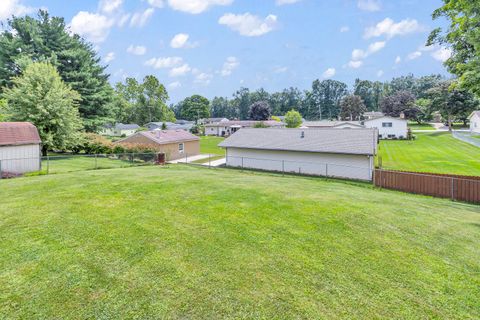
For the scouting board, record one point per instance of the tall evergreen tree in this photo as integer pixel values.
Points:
(47, 38)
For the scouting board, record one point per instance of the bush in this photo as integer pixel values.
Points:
(92, 143)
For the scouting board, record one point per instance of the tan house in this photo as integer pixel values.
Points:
(175, 144)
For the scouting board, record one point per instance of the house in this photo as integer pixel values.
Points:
(475, 122)
(327, 152)
(20, 148)
(331, 124)
(178, 125)
(372, 114)
(119, 130)
(175, 144)
(212, 120)
(388, 127)
(226, 128)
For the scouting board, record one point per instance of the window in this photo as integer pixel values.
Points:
(391, 136)
(387, 124)
(180, 147)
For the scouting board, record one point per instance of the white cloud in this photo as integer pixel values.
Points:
(180, 71)
(283, 2)
(174, 85)
(380, 73)
(442, 54)
(109, 6)
(355, 64)
(137, 50)
(398, 60)
(181, 41)
(196, 6)
(109, 57)
(369, 5)
(376, 46)
(230, 64)
(13, 7)
(249, 25)
(139, 19)
(329, 73)
(414, 55)
(160, 63)
(358, 54)
(280, 69)
(390, 29)
(93, 26)
(344, 29)
(156, 3)
(203, 78)
(123, 19)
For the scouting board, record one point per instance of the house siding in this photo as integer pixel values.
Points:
(20, 159)
(475, 124)
(191, 148)
(398, 129)
(348, 166)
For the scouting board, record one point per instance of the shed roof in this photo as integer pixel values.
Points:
(476, 112)
(129, 126)
(354, 141)
(18, 133)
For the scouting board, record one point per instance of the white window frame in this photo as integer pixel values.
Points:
(181, 147)
(387, 124)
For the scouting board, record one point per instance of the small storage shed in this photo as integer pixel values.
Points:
(20, 148)
(324, 152)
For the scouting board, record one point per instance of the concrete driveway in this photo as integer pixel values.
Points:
(190, 159)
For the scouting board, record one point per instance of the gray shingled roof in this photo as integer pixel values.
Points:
(347, 141)
(130, 126)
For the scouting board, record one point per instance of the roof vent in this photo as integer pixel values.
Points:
(302, 135)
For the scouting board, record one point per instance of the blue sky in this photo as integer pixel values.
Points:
(213, 47)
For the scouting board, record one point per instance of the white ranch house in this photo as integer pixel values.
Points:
(227, 128)
(475, 122)
(326, 152)
(120, 130)
(20, 148)
(388, 127)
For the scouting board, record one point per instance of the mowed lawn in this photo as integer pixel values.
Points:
(149, 243)
(436, 152)
(209, 145)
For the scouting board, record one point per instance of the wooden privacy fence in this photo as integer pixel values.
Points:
(461, 188)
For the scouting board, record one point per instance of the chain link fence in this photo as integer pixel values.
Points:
(10, 168)
(332, 170)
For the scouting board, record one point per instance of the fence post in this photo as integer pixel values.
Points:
(48, 164)
(242, 163)
(96, 166)
(326, 170)
(209, 161)
(186, 158)
(283, 167)
(0, 169)
(453, 188)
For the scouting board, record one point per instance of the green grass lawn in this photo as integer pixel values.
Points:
(147, 243)
(421, 126)
(209, 145)
(436, 152)
(70, 163)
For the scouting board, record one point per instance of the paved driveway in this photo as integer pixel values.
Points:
(466, 137)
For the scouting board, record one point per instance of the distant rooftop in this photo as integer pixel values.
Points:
(353, 141)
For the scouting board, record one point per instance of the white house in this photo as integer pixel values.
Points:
(226, 128)
(326, 152)
(20, 148)
(120, 130)
(475, 122)
(331, 124)
(388, 127)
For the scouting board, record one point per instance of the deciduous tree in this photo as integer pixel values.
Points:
(41, 97)
(259, 111)
(293, 119)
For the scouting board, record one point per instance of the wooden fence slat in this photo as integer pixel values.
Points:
(455, 187)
